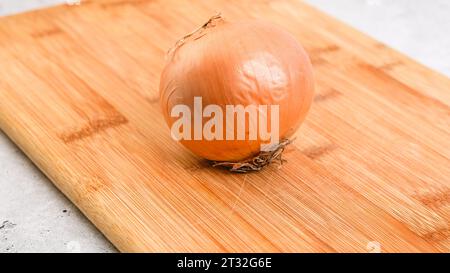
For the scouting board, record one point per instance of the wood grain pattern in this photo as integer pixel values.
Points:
(79, 92)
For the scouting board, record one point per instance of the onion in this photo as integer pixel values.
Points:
(237, 63)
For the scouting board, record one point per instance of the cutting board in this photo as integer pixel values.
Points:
(369, 169)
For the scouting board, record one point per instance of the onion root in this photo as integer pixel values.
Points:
(258, 162)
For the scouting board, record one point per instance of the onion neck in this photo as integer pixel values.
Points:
(196, 34)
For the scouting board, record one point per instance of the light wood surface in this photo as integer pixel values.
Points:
(371, 164)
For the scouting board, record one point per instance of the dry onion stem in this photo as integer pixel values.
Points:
(256, 163)
(180, 42)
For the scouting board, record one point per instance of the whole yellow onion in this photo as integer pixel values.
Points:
(237, 63)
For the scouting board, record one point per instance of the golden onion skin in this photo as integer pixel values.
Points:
(238, 63)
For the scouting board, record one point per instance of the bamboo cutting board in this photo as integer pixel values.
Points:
(369, 169)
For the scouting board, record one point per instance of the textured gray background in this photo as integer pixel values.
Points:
(36, 217)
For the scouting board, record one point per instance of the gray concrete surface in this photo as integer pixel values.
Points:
(36, 217)
(8, 7)
(418, 28)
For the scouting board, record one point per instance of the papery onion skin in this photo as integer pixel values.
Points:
(239, 63)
